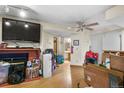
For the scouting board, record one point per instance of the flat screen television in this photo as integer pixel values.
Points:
(20, 30)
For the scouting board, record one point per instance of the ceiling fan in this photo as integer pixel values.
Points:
(82, 25)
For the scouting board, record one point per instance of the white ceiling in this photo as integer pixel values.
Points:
(59, 14)
(66, 15)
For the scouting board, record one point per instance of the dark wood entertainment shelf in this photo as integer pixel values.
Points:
(33, 52)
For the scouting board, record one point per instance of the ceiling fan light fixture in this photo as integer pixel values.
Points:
(82, 25)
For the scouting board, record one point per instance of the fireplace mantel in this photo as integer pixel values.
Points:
(32, 52)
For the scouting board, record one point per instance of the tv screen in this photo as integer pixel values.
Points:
(20, 30)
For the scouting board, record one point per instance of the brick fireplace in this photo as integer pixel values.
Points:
(15, 56)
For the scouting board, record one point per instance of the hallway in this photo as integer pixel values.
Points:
(65, 76)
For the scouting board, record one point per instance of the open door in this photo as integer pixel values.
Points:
(55, 45)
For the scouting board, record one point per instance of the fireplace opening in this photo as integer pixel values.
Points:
(17, 69)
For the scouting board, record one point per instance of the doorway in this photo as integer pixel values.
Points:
(55, 45)
(67, 49)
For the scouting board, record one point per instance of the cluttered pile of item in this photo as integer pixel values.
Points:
(16, 72)
(108, 74)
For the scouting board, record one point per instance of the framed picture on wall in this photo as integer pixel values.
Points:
(75, 42)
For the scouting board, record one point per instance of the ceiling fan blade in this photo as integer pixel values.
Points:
(92, 24)
(91, 29)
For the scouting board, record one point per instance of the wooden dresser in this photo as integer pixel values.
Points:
(98, 77)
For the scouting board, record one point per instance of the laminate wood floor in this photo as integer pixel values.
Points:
(65, 76)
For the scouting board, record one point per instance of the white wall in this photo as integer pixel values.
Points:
(106, 41)
(51, 27)
(78, 56)
(47, 41)
(96, 44)
(122, 34)
(111, 40)
(0, 29)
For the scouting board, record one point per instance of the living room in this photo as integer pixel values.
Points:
(68, 49)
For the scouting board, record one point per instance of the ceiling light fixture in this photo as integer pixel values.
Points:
(22, 13)
(7, 23)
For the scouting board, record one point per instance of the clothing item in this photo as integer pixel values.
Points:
(91, 57)
(91, 60)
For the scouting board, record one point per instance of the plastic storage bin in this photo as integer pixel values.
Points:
(4, 68)
(60, 59)
(47, 65)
